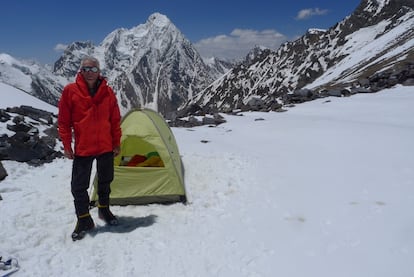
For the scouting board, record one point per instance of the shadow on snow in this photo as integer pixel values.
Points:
(126, 224)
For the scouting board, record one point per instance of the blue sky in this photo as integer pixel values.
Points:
(32, 29)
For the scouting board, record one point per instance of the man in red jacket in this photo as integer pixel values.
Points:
(88, 110)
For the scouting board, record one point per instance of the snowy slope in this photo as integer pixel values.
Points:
(366, 48)
(13, 97)
(324, 189)
(32, 78)
(377, 36)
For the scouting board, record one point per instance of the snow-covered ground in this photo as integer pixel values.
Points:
(325, 189)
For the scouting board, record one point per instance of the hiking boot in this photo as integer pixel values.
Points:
(106, 215)
(84, 224)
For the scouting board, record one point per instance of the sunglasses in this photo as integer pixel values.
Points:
(93, 69)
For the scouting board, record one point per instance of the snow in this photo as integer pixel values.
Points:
(159, 20)
(363, 46)
(324, 189)
(12, 97)
(14, 74)
(316, 31)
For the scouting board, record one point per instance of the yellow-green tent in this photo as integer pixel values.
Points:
(158, 179)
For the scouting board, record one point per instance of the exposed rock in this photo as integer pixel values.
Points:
(409, 82)
(3, 172)
(188, 117)
(299, 96)
(255, 104)
(29, 144)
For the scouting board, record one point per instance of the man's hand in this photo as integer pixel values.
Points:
(117, 150)
(69, 153)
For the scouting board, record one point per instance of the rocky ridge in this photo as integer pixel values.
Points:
(369, 50)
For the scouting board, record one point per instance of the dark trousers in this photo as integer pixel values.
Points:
(81, 175)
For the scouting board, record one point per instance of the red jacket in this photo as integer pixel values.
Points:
(95, 121)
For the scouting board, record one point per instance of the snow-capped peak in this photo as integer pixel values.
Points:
(158, 20)
(7, 59)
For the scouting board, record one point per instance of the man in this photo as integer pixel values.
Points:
(88, 108)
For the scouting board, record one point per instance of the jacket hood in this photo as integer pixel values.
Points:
(84, 90)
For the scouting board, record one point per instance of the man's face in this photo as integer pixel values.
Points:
(90, 71)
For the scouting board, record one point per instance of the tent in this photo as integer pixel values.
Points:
(149, 168)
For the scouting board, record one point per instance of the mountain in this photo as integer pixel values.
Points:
(32, 78)
(378, 37)
(150, 65)
(153, 65)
